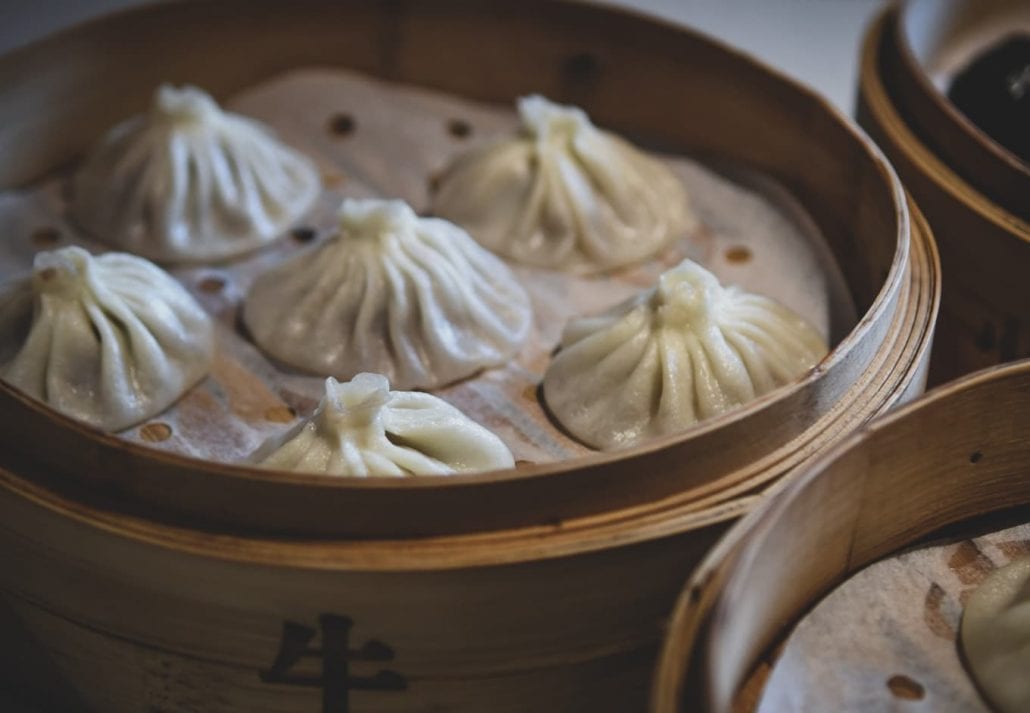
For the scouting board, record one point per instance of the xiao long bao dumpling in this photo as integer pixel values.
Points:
(109, 340)
(685, 350)
(188, 182)
(565, 195)
(362, 428)
(996, 636)
(413, 298)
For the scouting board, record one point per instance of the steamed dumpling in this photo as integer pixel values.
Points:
(190, 182)
(413, 298)
(563, 194)
(996, 636)
(362, 428)
(685, 350)
(109, 340)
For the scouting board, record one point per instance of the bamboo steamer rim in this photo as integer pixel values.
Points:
(570, 469)
(687, 657)
(872, 87)
(424, 554)
(1001, 160)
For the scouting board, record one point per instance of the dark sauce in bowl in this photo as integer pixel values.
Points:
(994, 92)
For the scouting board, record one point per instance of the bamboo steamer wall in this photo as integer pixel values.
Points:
(956, 454)
(985, 249)
(157, 582)
(142, 617)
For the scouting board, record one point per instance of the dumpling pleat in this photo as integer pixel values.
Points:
(225, 194)
(674, 385)
(373, 316)
(408, 360)
(574, 189)
(333, 304)
(762, 377)
(729, 372)
(617, 226)
(548, 230)
(450, 310)
(307, 291)
(506, 173)
(175, 204)
(75, 377)
(120, 383)
(26, 368)
(617, 356)
(410, 461)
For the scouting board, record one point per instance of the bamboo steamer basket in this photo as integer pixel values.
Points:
(932, 36)
(761, 120)
(960, 452)
(157, 582)
(985, 250)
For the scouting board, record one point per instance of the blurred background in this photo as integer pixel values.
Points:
(815, 41)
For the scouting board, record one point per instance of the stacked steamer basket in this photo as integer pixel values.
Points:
(958, 454)
(974, 192)
(152, 581)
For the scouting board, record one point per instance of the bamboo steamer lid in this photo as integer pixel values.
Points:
(985, 250)
(156, 580)
(960, 452)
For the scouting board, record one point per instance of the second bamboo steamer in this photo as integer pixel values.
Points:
(985, 249)
(156, 581)
(956, 455)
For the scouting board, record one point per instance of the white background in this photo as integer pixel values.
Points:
(816, 41)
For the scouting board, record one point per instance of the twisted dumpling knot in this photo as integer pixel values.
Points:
(62, 273)
(183, 105)
(356, 404)
(687, 294)
(548, 121)
(374, 219)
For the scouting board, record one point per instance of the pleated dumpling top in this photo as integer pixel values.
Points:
(362, 428)
(109, 340)
(565, 195)
(686, 350)
(415, 299)
(189, 182)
